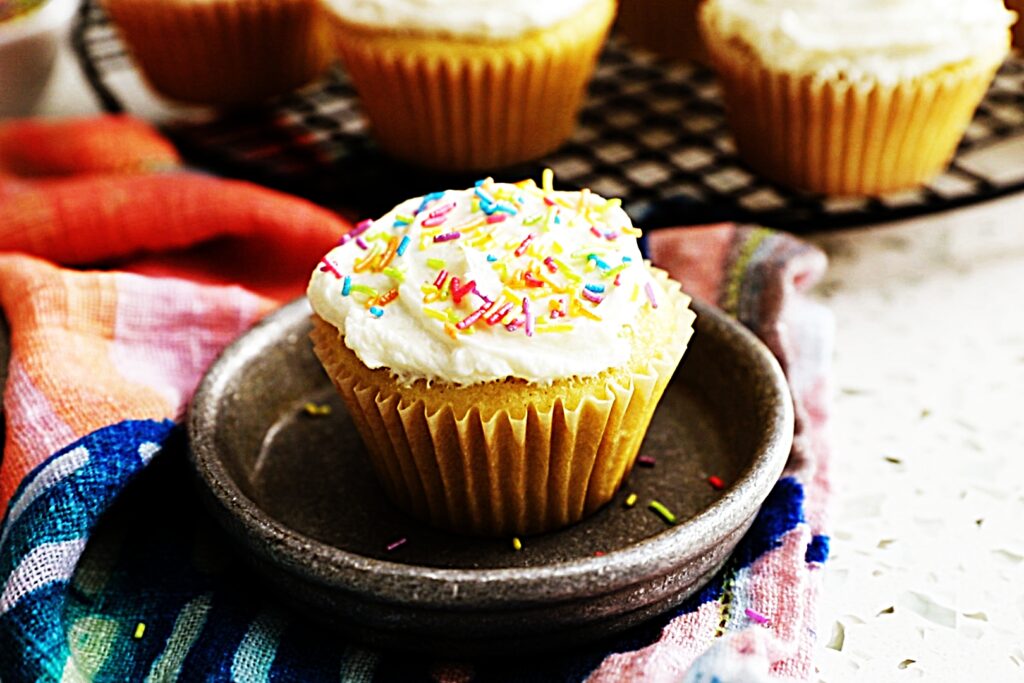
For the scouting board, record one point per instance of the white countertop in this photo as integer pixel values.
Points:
(926, 576)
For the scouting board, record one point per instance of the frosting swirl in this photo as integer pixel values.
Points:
(497, 281)
(476, 19)
(884, 41)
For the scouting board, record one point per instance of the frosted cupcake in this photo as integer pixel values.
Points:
(501, 350)
(224, 52)
(853, 98)
(464, 84)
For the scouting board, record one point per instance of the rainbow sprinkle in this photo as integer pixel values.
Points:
(555, 264)
(396, 544)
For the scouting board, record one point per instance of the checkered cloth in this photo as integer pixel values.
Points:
(109, 570)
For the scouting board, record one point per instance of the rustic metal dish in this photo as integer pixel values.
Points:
(297, 494)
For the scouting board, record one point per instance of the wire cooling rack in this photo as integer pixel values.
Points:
(652, 132)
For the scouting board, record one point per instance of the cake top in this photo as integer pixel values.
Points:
(477, 19)
(496, 281)
(883, 41)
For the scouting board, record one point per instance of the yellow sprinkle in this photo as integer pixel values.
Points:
(316, 409)
(588, 314)
(435, 314)
(394, 273)
(632, 232)
(556, 248)
(662, 511)
(453, 317)
(631, 500)
(566, 270)
(636, 291)
(560, 327)
(450, 329)
(512, 296)
(517, 545)
(547, 180)
(612, 204)
(140, 629)
(436, 263)
(584, 198)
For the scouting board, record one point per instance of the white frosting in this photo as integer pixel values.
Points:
(405, 339)
(884, 41)
(478, 19)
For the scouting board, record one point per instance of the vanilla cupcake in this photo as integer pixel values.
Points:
(224, 52)
(501, 350)
(853, 98)
(466, 85)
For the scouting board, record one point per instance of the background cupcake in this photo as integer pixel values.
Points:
(224, 52)
(853, 98)
(501, 350)
(668, 27)
(463, 84)
(1018, 28)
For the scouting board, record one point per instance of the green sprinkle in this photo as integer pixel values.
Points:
(394, 273)
(364, 289)
(436, 263)
(662, 511)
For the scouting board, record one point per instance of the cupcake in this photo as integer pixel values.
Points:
(853, 98)
(468, 85)
(501, 350)
(668, 27)
(224, 52)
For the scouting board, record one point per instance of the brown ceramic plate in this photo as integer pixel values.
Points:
(297, 493)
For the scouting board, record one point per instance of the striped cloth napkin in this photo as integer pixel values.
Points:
(109, 571)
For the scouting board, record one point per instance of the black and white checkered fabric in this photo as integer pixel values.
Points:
(652, 132)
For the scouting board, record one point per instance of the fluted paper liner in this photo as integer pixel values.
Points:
(224, 52)
(457, 104)
(485, 470)
(840, 137)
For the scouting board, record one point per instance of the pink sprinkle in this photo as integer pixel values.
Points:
(472, 317)
(521, 249)
(528, 314)
(328, 267)
(395, 544)
(434, 221)
(514, 325)
(550, 263)
(361, 243)
(650, 295)
(483, 297)
(532, 281)
(441, 210)
(590, 296)
(595, 232)
(557, 313)
(496, 317)
(757, 616)
(645, 460)
(611, 236)
(441, 277)
(361, 227)
(549, 201)
(496, 218)
(448, 236)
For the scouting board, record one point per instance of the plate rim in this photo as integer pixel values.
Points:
(416, 585)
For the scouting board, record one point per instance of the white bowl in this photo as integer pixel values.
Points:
(28, 46)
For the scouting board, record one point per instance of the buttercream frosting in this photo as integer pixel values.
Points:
(496, 281)
(478, 19)
(884, 41)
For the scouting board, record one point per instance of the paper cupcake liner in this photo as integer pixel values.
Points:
(1018, 28)
(468, 105)
(488, 472)
(843, 138)
(668, 27)
(224, 52)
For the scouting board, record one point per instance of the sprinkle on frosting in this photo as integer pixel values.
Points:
(501, 280)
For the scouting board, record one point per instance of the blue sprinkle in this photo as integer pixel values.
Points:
(491, 258)
(376, 311)
(479, 182)
(600, 264)
(427, 199)
(402, 246)
(627, 259)
(506, 207)
(817, 549)
(346, 287)
(399, 224)
(594, 288)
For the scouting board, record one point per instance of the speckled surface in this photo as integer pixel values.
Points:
(297, 493)
(926, 578)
